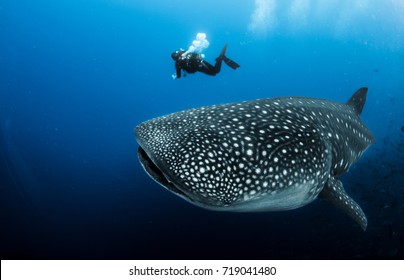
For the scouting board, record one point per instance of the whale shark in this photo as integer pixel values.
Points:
(270, 154)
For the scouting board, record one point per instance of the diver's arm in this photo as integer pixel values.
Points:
(178, 70)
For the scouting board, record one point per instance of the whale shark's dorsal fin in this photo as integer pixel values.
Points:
(357, 100)
(270, 154)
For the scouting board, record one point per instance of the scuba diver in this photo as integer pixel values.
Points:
(191, 62)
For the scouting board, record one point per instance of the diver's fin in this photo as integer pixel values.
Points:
(334, 192)
(223, 51)
(222, 54)
(357, 100)
(231, 63)
(227, 60)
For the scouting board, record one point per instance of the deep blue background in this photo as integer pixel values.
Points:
(77, 76)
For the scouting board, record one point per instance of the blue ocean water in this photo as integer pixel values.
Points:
(77, 76)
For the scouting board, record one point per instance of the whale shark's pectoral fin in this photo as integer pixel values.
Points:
(334, 192)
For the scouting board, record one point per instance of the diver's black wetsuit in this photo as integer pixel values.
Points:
(193, 62)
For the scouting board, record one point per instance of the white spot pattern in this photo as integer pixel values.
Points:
(228, 155)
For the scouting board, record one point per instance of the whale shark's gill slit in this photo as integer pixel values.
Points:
(276, 150)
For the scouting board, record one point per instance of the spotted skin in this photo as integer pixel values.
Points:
(261, 155)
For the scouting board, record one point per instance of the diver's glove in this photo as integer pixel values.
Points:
(174, 76)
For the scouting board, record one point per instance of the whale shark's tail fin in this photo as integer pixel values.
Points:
(357, 100)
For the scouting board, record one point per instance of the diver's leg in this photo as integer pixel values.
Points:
(219, 59)
(218, 65)
(207, 68)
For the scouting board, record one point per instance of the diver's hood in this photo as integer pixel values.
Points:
(176, 55)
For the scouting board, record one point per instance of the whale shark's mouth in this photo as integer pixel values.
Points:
(157, 174)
